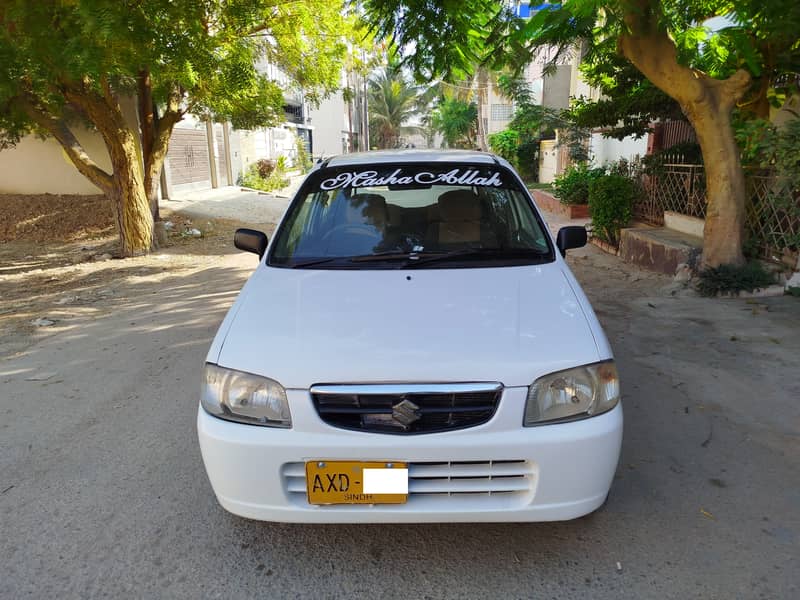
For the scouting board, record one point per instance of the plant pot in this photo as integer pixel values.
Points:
(549, 203)
(605, 246)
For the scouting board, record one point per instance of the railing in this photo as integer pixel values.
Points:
(772, 220)
(773, 215)
(677, 187)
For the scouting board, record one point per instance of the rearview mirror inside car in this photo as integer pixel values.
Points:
(251, 240)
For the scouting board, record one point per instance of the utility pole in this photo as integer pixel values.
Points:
(365, 112)
(366, 117)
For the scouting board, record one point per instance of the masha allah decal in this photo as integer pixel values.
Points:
(356, 179)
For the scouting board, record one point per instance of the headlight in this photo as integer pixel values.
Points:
(572, 394)
(244, 397)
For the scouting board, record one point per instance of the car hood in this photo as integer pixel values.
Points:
(307, 326)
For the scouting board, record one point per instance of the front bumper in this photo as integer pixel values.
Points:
(510, 472)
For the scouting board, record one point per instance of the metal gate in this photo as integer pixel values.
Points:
(188, 158)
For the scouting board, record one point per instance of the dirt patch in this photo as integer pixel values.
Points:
(51, 282)
(49, 217)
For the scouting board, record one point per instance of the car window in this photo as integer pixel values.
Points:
(474, 214)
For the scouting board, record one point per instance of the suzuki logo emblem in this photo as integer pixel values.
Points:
(405, 412)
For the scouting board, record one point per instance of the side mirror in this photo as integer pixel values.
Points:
(251, 240)
(573, 236)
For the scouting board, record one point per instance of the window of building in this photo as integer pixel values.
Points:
(502, 112)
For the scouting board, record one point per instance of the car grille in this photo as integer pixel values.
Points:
(406, 409)
(505, 482)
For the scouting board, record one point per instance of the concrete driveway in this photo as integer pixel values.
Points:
(235, 203)
(103, 493)
(229, 203)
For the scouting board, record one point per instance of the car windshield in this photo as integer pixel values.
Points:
(410, 216)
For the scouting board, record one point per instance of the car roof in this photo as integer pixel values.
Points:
(412, 156)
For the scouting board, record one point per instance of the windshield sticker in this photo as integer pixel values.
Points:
(356, 179)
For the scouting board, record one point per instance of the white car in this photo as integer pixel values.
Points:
(412, 347)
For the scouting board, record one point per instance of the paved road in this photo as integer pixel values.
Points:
(232, 202)
(103, 493)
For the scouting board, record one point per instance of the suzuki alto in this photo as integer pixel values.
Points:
(412, 347)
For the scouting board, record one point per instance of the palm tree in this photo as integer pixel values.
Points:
(393, 101)
(457, 121)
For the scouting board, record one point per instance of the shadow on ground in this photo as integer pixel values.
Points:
(103, 492)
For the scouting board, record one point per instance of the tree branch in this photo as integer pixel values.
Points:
(73, 148)
(154, 159)
(734, 88)
(650, 49)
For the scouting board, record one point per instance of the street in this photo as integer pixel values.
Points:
(103, 492)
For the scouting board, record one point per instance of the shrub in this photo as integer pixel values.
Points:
(611, 206)
(276, 181)
(572, 187)
(505, 143)
(265, 167)
(276, 177)
(303, 159)
(528, 159)
(733, 279)
(521, 150)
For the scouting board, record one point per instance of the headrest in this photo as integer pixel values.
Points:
(460, 205)
(368, 207)
(371, 201)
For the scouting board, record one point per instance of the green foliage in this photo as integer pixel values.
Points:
(522, 151)
(530, 124)
(572, 186)
(611, 200)
(528, 158)
(776, 150)
(535, 123)
(393, 102)
(768, 146)
(206, 52)
(505, 143)
(531, 120)
(303, 160)
(457, 121)
(733, 279)
(449, 36)
(629, 102)
(751, 64)
(481, 32)
(275, 178)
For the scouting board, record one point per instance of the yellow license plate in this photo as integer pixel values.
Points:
(341, 482)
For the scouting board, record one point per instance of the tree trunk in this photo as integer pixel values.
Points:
(155, 134)
(147, 124)
(127, 190)
(132, 208)
(708, 104)
(723, 235)
(483, 104)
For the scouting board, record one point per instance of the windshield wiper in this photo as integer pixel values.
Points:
(315, 261)
(497, 253)
(414, 258)
(390, 255)
(377, 256)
